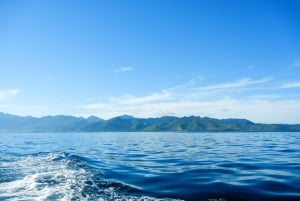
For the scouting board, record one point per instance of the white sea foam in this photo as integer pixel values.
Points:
(54, 177)
(44, 179)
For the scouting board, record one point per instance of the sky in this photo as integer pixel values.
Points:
(151, 58)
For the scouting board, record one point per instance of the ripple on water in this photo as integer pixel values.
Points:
(150, 166)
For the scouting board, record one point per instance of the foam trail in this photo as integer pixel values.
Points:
(58, 176)
(44, 178)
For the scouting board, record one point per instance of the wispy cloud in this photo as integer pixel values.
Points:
(258, 110)
(93, 106)
(50, 78)
(4, 106)
(236, 84)
(4, 94)
(296, 64)
(161, 96)
(291, 85)
(191, 99)
(123, 69)
(130, 100)
(250, 67)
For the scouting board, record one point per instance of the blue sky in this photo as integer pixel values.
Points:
(153, 58)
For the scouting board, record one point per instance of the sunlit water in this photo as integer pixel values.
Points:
(150, 166)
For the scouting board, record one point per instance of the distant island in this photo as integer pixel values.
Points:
(126, 123)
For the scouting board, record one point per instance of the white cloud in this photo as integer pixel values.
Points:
(124, 69)
(146, 99)
(129, 100)
(190, 99)
(291, 85)
(4, 94)
(187, 85)
(236, 84)
(192, 90)
(258, 110)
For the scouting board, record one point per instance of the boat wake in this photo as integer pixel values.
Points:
(60, 176)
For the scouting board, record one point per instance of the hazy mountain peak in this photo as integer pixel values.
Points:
(62, 123)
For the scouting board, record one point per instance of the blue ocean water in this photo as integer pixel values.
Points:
(150, 166)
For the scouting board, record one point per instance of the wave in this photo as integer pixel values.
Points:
(145, 166)
(61, 176)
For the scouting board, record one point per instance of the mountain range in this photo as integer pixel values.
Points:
(126, 123)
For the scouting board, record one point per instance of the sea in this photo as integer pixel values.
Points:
(144, 166)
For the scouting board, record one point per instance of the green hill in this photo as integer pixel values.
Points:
(125, 123)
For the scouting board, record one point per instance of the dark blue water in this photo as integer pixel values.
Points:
(150, 166)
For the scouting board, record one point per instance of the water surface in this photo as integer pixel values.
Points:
(150, 166)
